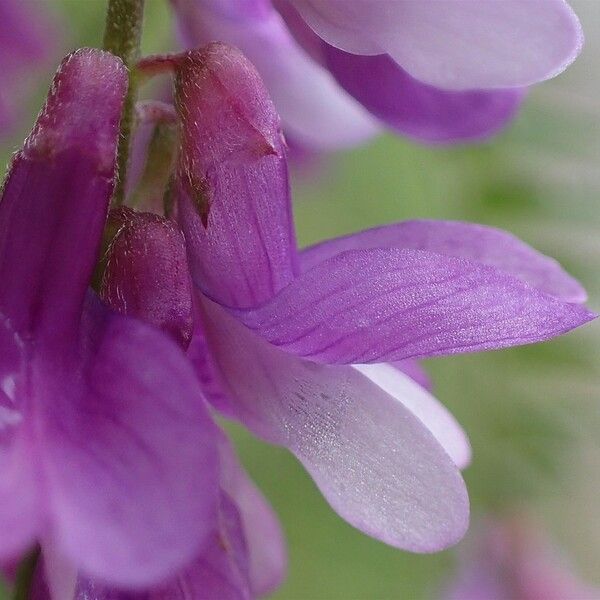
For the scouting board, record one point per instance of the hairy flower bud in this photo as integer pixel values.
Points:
(232, 157)
(146, 273)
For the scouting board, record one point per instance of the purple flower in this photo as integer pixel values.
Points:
(146, 276)
(107, 450)
(25, 42)
(455, 45)
(434, 71)
(512, 560)
(282, 328)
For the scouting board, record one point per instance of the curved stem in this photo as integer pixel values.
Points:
(122, 37)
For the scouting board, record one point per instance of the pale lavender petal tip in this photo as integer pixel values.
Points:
(457, 45)
(425, 407)
(415, 370)
(327, 416)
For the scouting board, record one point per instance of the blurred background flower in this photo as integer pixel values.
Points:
(532, 414)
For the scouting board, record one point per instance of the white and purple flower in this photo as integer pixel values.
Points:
(110, 456)
(299, 341)
(437, 71)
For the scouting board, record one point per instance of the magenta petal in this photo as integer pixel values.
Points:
(387, 304)
(325, 118)
(129, 453)
(267, 554)
(51, 217)
(418, 110)
(232, 180)
(56, 195)
(376, 464)
(479, 243)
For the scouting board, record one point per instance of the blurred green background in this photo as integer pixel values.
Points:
(532, 413)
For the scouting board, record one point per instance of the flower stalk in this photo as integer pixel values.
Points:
(122, 37)
(25, 574)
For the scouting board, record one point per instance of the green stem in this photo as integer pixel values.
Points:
(122, 37)
(22, 589)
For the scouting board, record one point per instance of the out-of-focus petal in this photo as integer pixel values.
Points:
(24, 33)
(425, 407)
(481, 244)
(415, 371)
(146, 273)
(418, 110)
(20, 513)
(386, 304)
(219, 572)
(56, 195)
(455, 45)
(267, 554)
(232, 180)
(129, 452)
(314, 110)
(510, 559)
(374, 461)
(25, 42)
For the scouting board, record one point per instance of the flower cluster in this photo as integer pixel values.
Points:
(124, 332)
(437, 72)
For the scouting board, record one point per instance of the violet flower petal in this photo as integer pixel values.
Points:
(432, 413)
(387, 304)
(110, 410)
(56, 195)
(218, 573)
(232, 179)
(314, 110)
(129, 452)
(377, 465)
(57, 186)
(455, 45)
(479, 243)
(418, 110)
(267, 553)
